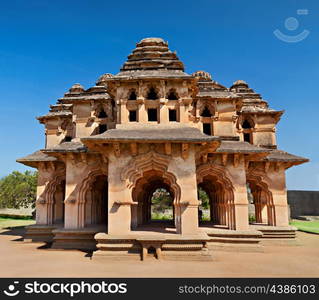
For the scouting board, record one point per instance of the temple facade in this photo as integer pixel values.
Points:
(152, 126)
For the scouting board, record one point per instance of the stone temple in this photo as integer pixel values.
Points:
(153, 126)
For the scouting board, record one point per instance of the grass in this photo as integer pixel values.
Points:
(14, 222)
(307, 226)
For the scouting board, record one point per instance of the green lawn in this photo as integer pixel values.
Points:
(307, 226)
(12, 222)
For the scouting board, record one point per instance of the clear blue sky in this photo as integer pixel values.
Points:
(46, 46)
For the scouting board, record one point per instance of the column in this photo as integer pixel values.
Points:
(119, 197)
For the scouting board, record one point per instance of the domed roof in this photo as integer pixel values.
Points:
(104, 77)
(202, 76)
(76, 88)
(240, 83)
(152, 54)
(152, 40)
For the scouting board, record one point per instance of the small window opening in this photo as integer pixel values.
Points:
(132, 116)
(102, 128)
(152, 95)
(206, 112)
(172, 95)
(132, 96)
(246, 124)
(152, 114)
(172, 115)
(102, 114)
(207, 128)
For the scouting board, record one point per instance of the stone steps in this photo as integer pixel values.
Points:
(39, 233)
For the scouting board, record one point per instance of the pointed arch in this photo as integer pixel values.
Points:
(217, 181)
(258, 182)
(151, 161)
(82, 192)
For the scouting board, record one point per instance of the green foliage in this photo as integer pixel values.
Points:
(161, 216)
(203, 197)
(161, 200)
(18, 189)
(252, 218)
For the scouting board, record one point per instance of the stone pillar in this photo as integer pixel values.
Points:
(44, 176)
(236, 168)
(164, 119)
(186, 211)
(119, 197)
(277, 187)
(124, 112)
(142, 112)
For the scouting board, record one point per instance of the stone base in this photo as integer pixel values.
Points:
(144, 247)
(80, 239)
(273, 232)
(39, 233)
(234, 240)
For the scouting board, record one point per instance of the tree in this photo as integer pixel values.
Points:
(18, 189)
(203, 197)
(161, 200)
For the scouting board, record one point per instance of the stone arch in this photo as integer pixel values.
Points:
(215, 180)
(151, 161)
(82, 193)
(132, 94)
(263, 198)
(172, 94)
(202, 106)
(145, 173)
(48, 196)
(152, 93)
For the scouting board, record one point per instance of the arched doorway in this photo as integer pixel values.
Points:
(96, 202)
(154, 197)
(58, 203)
(261, 198)
(216, 185)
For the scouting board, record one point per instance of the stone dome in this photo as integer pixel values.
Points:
(202, 76)
(152, 54)
(240, 83)
(104, 77)
(76, 88)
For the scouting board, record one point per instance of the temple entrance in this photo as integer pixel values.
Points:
(155, 197)
(97, 202)
(58, 204)
(219, 207)
(261, 198)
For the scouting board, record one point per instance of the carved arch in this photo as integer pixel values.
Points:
(152, 161)
(259, 182)
(81, 194)
(202, 105)
(47, 197)
(225, 201)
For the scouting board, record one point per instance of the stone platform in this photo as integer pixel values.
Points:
(144, 245)
(81, 239)
(39, 233)
(233, 240)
